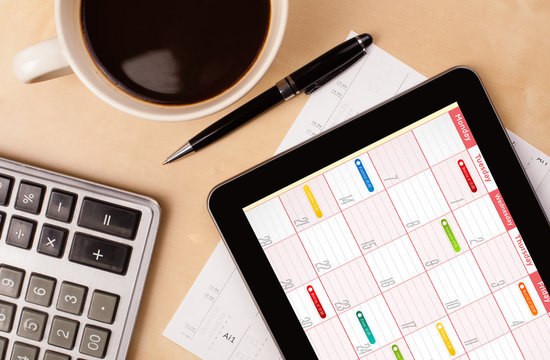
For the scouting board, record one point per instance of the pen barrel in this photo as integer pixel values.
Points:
(236, 118)
(340, 56)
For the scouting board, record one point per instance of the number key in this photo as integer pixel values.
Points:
(94, 341)
(11, 280)
(40, 290)
(71, 298)
(3, 347)
(31, 324)
(7, 311)
(22, 351)
(52, 355)
(63, 332)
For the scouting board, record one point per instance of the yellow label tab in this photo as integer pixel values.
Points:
(313, 202)
(446, 339)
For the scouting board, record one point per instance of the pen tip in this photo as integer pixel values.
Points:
(167, 161)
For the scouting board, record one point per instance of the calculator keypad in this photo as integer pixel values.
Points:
(73, 259)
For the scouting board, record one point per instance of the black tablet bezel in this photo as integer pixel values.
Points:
(461, 85)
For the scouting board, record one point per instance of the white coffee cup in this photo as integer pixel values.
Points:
(68, 53)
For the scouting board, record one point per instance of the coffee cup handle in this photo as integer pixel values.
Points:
(39, 62)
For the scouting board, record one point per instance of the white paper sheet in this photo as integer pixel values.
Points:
(218, 318)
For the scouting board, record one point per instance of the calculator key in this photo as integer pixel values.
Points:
(103, 307)
(63, 332)
(5, 189)
(40, 290)
(21, 232)
(7, 311)
(11, 280)
(3, 347)
(52, 355)
(94, 341)
(61, 206)
(52, 241)
(22, 351)
(109, 218)
(29, 197)
(99, 253)
(32, 324)
(71, 298)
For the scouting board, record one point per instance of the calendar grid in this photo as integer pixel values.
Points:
(477, 263)
(404, 240)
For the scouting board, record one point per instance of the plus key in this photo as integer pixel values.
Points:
(100, 253)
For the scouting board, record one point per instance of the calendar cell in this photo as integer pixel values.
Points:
(459, 282)
(330, 244)
(309, 203)
(496, 272)
(370, 324)
(438, 241)
(418, 200)
(398, 159)
(394, 263)
(504, 348)
(354, 181)
(479, 323)
(374, 222)
(533, 338)
(331, 342)
(516, 306)
(270, 222)
(479, 221)
(415, 304)
(439, 139)
(291, 263)
(350, 285)
(458, 188)
(437, 340)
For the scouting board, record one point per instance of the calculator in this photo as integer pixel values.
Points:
(74, 257)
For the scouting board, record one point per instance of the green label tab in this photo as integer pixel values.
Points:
(450, 235)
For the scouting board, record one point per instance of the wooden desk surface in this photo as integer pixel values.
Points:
(60, 125)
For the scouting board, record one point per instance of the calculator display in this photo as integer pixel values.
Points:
(406, 250)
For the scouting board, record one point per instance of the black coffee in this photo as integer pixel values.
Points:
(175, 52)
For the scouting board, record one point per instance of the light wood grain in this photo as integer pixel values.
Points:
(60, 125)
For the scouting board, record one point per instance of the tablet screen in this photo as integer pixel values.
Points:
(405, 250)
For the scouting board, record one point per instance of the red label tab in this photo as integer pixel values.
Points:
(502, 210)
(462, 127)
(541, 290)
(316, 302)
(467, 175)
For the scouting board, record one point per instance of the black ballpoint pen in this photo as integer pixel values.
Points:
(307, 79)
